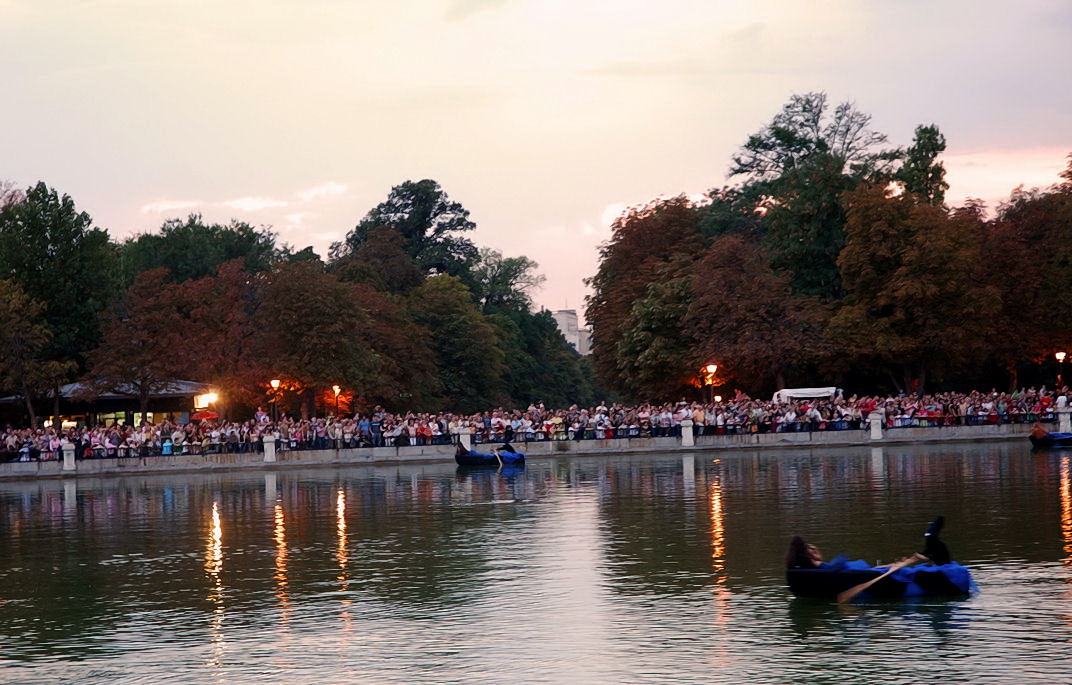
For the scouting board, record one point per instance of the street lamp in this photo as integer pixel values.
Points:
(1060, 366)
(336, 389)
(275, 399)
(709, 378)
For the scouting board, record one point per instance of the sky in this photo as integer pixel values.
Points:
(545, 118)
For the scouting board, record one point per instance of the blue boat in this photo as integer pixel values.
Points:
(466, 457)
(830, 580)
(1050, 441)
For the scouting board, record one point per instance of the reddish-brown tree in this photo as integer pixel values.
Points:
(649, 244)
(313, 331)
(745, 318)
(143, 347)
(915, 299)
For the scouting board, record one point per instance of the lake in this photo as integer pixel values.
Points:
(638, 569)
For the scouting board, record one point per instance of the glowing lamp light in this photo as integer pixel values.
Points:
(711, 368)
(718, 398)
(274, 383)
(1060, 356)
(336, 389)
(202, 401)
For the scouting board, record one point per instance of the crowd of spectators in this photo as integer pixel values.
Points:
(741, 414)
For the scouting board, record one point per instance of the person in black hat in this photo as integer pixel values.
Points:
(933, 548)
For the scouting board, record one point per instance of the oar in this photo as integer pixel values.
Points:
(847, 595)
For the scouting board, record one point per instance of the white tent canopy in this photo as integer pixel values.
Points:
(803, 393)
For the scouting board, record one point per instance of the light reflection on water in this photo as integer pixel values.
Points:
(622, 569)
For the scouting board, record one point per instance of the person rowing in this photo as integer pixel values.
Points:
(506, 447)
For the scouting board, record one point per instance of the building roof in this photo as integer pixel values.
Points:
(175, 389)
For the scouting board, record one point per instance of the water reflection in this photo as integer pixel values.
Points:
(342, 556)
(1065, 494)
(633, 568)
(214, 569)
(281, 582)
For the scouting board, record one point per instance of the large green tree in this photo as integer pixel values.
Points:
(192, 248)
(429, 223)
(797, 167)
(500, 282)
(58, 258)
(464, 344)
(922, 174)
(657, 354)
(23, 339)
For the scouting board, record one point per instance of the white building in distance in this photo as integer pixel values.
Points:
(580, 338)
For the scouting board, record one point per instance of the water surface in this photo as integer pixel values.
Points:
(607, 570)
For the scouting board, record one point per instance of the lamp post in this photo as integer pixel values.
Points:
(1060, 367)
(709, 379)
(336, 389)
(275, 399)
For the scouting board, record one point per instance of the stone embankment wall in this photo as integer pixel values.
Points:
(536, 450)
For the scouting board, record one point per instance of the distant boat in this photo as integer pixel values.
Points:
(471, 458)
(1050, 441)
(948, 580)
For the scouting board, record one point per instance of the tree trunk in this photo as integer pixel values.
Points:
(779, 379)
(1014, 376)
(922, 378)
(143, 404)
(29, 406)
(893, 378)
(306, 400)
(55, 402)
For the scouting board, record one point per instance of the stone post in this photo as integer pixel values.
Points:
(67, 448)
(1064, 419)
(875, 419)
(269, 447)
(687, 438)
(464, 437)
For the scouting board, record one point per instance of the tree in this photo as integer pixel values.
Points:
(381, 261)
(428, 221)
(463, 344)
(9, 194)
(56, 256)
(144, 348)
(313, 331)
(921, 173)
(504, 282)
(656, 355)
(407, 364)
(194, 249)
(802, 133)
(1027, 261)
(797, 168)
(746, 319)
(217, 320)
(656, 242)
(540, 366)
(24, 338)
(914, 297)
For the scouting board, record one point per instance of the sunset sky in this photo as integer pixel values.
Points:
(543, 117)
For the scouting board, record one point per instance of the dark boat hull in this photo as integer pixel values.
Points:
(948, 580)
(472, 458)
(1051, 441)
